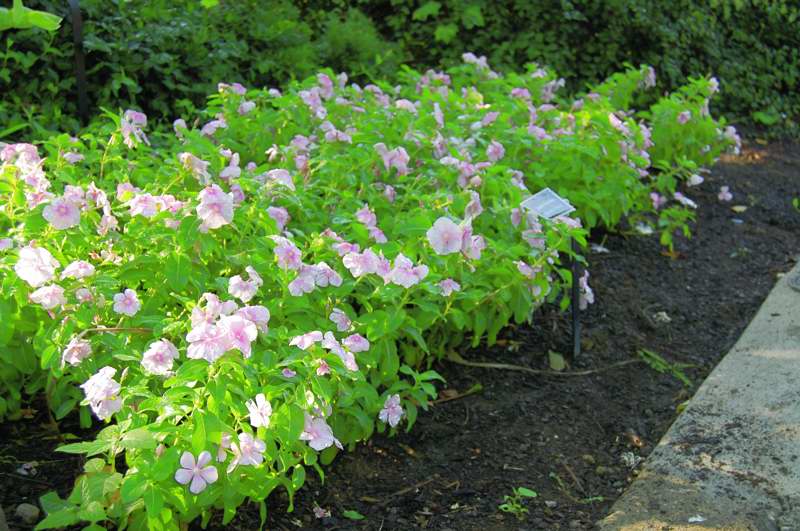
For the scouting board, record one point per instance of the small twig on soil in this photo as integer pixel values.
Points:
(455, 357)
(477, 388)
(408, 489)
(574, 478)
(25, 478)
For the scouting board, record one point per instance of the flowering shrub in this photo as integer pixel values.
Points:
(243, 300)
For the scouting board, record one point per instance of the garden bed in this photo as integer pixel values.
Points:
(563, 437)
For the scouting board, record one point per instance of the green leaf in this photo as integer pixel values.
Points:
(445, 32)
(353, 515)
(153, 501)
(59, 519)
(133, 487)
(177, 270)
(556, 361)
(88, 448)
(93, 512)
(140, 438)
(527, 493)
(199, 433)
(429, 9)
(472, 17)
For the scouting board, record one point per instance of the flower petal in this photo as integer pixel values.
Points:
(183, 476)
(198, 485)
(187, 460)
(209, 474)
(203, 459)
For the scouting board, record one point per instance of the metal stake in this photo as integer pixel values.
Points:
(575, 303)
(80, 61)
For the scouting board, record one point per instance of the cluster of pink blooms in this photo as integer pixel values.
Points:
(222, 326)
(102, 393)
(37, 267)
(403, 272)
(345, 350)
(244, 290)
(309, 277)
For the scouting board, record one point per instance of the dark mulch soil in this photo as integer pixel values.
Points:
(563, 437)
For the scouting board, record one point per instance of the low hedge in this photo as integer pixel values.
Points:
(243, 298)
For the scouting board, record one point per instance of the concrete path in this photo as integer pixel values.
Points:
(731, 460)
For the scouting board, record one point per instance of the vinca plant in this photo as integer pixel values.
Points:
(239, 301)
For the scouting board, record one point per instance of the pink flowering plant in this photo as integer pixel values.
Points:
(242, 300)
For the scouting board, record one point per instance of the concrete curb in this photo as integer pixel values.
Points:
(731, 460)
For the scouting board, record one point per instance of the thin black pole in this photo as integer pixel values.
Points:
(80, 61)
(575, 303)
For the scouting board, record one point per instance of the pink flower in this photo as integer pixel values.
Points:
(195, 473)
(77, 350)
(280, 215)
(396, 158)
(62, 214)
(356, 343)
(724, 194)
(445, 236)
(586, 295)
(248, 451)
(330, 343)
(246, 107)
(341, 320)
(83, 295)
(206, 341)
(318, 434)
(319, 512)
(288, 255)
(73, 158)
(360, 264)
(197, 167)
(405, 274)
(472, 245)
(245, 290)
(525, 269)
(49, 296)
(474, 207)
(36, 265)
(438, 115)
(324, 275)
(323, 368)
(685, 201)
(343, 248)
(158, 358)
(392, 412)
(215, 208)
(240, 333)
(127, 303)
(390, 193)
(258, 315)
(131, 126)
(684, 117)
(495, 151)
(78, 269)
(143, 205)
(448, 286)
(366, 216)
(658, 200)
(516, 217)
(6, 243)
(260, 410)
(695, 180)
(304, 282)
(102, 393)
(281, 177)
(377, 234)
(304, 341)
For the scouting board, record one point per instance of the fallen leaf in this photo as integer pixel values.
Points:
(739, 208)
(556, 360)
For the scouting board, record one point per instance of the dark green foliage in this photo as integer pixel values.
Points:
(164, 56)
(752, 46)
